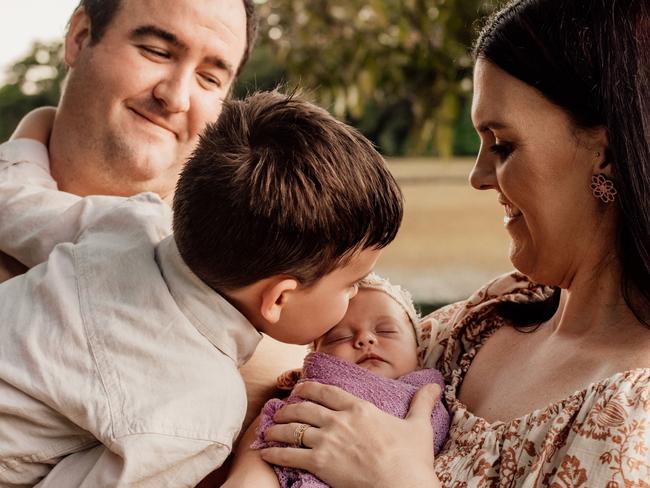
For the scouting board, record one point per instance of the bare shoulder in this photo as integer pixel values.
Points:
(632, 348)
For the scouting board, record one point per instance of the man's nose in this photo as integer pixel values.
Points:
(483, 174)
(173, 92)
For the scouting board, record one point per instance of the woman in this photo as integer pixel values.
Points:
(548, 385)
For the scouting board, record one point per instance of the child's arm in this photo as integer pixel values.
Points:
(36, 125)
(34, 215)
(248, 468)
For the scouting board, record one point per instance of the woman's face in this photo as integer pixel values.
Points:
(541, 166)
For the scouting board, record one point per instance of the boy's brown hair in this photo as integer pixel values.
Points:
(279, 186)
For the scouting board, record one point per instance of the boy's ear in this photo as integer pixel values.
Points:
(274, 297)
(77, 37)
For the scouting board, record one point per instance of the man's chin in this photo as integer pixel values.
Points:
(143, 173)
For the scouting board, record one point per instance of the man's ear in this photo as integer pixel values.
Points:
(77, 37)
(274, 297)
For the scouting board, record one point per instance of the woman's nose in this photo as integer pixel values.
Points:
(483, 174)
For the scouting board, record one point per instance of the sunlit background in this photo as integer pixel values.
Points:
(399, 70)
(22, 22)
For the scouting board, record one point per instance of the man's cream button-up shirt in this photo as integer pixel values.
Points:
(110, 346)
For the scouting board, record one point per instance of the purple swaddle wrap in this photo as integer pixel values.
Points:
(391, 396)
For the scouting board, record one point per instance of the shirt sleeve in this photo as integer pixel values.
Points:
(139, 461)
(34, 215)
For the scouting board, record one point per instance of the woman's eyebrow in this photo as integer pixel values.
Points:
(491, 125)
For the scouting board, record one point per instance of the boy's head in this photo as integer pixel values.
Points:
(378, 330)
(283, 209)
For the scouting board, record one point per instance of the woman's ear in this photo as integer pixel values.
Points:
(78, 36)
(275, 295)
(599, 144)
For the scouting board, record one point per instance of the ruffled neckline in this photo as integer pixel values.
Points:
(579, 399)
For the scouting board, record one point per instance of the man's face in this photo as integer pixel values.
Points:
(137, 100)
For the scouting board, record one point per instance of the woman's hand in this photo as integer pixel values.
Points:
(37, 125)
(351, 443)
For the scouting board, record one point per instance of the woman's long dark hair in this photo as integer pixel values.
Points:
(591, 58)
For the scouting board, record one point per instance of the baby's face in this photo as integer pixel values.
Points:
(376, 334)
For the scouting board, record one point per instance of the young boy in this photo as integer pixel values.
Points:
(130, 337)
(371, 353)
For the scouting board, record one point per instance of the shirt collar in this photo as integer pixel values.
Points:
(213, 316)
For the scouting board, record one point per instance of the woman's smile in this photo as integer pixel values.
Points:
(512, 212)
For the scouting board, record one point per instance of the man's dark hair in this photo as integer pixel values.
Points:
(102, 12)
(592, 59)
(279, 186)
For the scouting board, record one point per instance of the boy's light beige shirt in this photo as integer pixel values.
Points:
(112, 341)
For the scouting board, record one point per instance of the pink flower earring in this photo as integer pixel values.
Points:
(603, 188)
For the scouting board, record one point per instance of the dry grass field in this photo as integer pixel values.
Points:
(452, 239)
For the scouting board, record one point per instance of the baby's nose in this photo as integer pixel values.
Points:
(366, 339)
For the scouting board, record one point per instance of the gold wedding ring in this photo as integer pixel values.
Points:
(299, 433)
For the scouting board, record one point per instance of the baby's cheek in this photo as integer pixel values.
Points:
(338, 351)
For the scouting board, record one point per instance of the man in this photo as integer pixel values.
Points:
(145, 77)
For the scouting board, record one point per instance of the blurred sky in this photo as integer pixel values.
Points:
(24, 21)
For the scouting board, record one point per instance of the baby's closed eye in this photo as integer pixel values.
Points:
(334, 339)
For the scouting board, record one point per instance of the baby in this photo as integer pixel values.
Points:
(371, 353)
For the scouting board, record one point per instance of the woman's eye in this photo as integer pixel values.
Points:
(501, 150)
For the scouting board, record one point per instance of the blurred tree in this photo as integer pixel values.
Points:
(404, 61)
(399, 70)
(32, 82)
(262, 72)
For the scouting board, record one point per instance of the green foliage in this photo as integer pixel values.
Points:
(466, 141)
(405, 63)
(262, 72)
(399, 70)
(33, 81)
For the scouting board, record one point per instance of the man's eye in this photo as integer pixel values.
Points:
(211, 81)
(156, 52)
